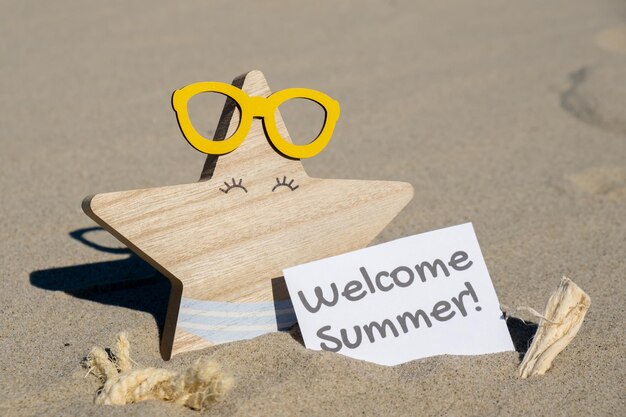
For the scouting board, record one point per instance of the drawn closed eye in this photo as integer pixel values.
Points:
(284, 183)
(232, 185)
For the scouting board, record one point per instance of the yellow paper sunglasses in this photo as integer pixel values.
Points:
(251, 107)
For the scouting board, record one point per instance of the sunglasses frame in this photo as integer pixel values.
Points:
(251, 107)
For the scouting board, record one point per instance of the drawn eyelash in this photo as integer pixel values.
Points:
(234, 184)
(284, 183)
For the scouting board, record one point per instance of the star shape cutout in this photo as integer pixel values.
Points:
(223, 241)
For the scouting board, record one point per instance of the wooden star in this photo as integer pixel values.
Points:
(224, 241)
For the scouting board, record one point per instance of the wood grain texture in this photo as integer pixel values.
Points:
(228, 247)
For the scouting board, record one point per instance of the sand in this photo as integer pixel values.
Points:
(511, 115)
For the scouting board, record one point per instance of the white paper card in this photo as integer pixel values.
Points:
(419, 296)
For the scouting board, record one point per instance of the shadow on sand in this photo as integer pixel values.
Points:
(522, 333)
(129, 282)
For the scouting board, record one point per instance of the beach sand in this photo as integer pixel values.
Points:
(510, 115)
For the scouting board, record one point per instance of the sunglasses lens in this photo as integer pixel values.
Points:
(227, 139)
(205, 111)
(304, 118)
(310, 141)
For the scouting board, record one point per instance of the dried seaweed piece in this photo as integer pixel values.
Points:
(559, 324)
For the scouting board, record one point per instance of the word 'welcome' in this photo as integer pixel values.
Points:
(402, 277)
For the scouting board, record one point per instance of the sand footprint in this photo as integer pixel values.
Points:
(605, 181)
(597, 96)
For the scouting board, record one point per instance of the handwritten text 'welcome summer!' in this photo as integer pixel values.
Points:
(385, 281)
